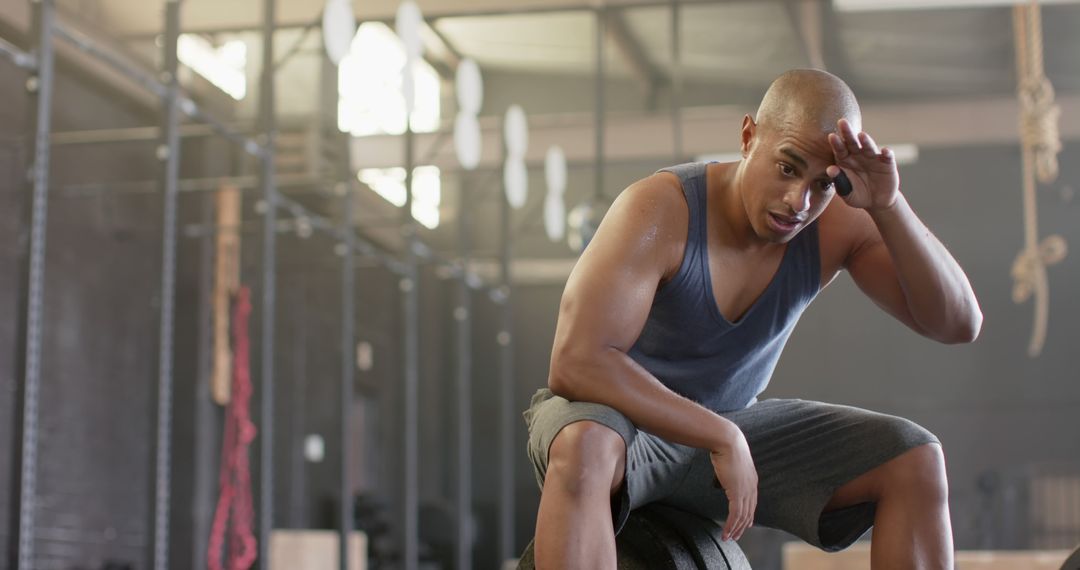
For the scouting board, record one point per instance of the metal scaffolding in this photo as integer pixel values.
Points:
(175, 105)
(32, 263)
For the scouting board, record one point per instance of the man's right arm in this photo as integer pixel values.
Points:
(605, 305)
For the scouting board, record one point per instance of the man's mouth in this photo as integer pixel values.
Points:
(784, 224)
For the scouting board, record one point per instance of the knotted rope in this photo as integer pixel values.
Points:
(1041, 143)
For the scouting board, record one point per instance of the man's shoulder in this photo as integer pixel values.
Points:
(659, 197)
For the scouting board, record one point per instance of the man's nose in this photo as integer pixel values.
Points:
(798, 199)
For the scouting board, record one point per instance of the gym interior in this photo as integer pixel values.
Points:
(281, 277)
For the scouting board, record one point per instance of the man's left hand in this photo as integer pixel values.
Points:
(874, 179)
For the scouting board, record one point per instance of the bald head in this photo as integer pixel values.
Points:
(808, 98)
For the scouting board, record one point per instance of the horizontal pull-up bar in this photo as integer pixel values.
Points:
(158, 87)
(367, 248)
(18, 56)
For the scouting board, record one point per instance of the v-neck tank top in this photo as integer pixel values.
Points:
(691, 347)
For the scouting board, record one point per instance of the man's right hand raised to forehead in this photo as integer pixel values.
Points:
(872, 173)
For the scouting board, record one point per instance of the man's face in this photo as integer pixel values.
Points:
(784, 186)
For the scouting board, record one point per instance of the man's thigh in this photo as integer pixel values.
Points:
(654, 467)
(803, 452)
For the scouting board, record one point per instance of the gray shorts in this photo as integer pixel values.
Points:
(803, 452)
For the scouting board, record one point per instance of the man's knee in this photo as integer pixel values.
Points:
(919, 474)
(586, 456)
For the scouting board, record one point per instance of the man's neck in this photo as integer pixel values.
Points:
(731, 225)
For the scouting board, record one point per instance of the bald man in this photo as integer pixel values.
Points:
(674, 318)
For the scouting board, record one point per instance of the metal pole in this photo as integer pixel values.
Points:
(266, 429)
(32, 254)
(205, 418)
(337, 163)
(506, 393)
(169, 153)
(410, 287)
(17, 56)
(601, 31)
(463, 317)
(348, 350)
(676, 82)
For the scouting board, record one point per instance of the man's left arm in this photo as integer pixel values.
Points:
(895, 259)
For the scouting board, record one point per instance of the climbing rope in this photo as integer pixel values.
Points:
(235, 475)
(1041, 143)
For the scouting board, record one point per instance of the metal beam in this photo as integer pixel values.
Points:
(17, 56)
(834, 54)
(410, 417)
(807, 21)
(463, 317)
(446, 66)
(676, 83)
(31, 242)
(631, 137)
(507, 410)
(146, 80)
(169, 154)
(348, 364)
(600, 108)
(477, 9)
(451, 49)
(634, 54)
(267, 123)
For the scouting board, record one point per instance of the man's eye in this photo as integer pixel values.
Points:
(786, 169)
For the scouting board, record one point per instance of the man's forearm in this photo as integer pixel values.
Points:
(612, 378)
(938, 292)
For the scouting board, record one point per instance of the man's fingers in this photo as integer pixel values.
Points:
(733, 524)
(870, 148)
(850, 139)
(839, 150)
(745, 518)
(742, 517)
(729, 524)
(887, 155)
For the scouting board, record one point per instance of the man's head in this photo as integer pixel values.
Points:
(785, 151)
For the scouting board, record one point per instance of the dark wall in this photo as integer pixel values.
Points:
(95, 475)
(99, 352)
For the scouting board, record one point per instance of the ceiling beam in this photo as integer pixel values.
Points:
(210, 22)
(440, 52)
(834, 54)
(880, 5)
(648, 74)
(714, 130)
(807, 22)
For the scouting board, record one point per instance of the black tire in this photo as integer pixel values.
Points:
(657, 537)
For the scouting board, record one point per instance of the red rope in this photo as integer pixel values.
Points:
(235, 475)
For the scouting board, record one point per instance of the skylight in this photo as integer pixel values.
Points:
(222, 66)
(369, 86)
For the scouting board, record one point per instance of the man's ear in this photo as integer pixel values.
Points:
(749, 127)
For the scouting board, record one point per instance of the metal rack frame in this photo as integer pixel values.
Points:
(174, 104)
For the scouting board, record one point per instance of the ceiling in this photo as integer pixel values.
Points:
(730, 50)
(895, 55)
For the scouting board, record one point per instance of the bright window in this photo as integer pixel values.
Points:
(369, 86)
(223, 65)
(427, 190)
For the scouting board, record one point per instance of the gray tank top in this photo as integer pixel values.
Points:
(692, 348)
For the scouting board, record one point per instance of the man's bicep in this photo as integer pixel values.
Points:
(606, 301)
(610, 291)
